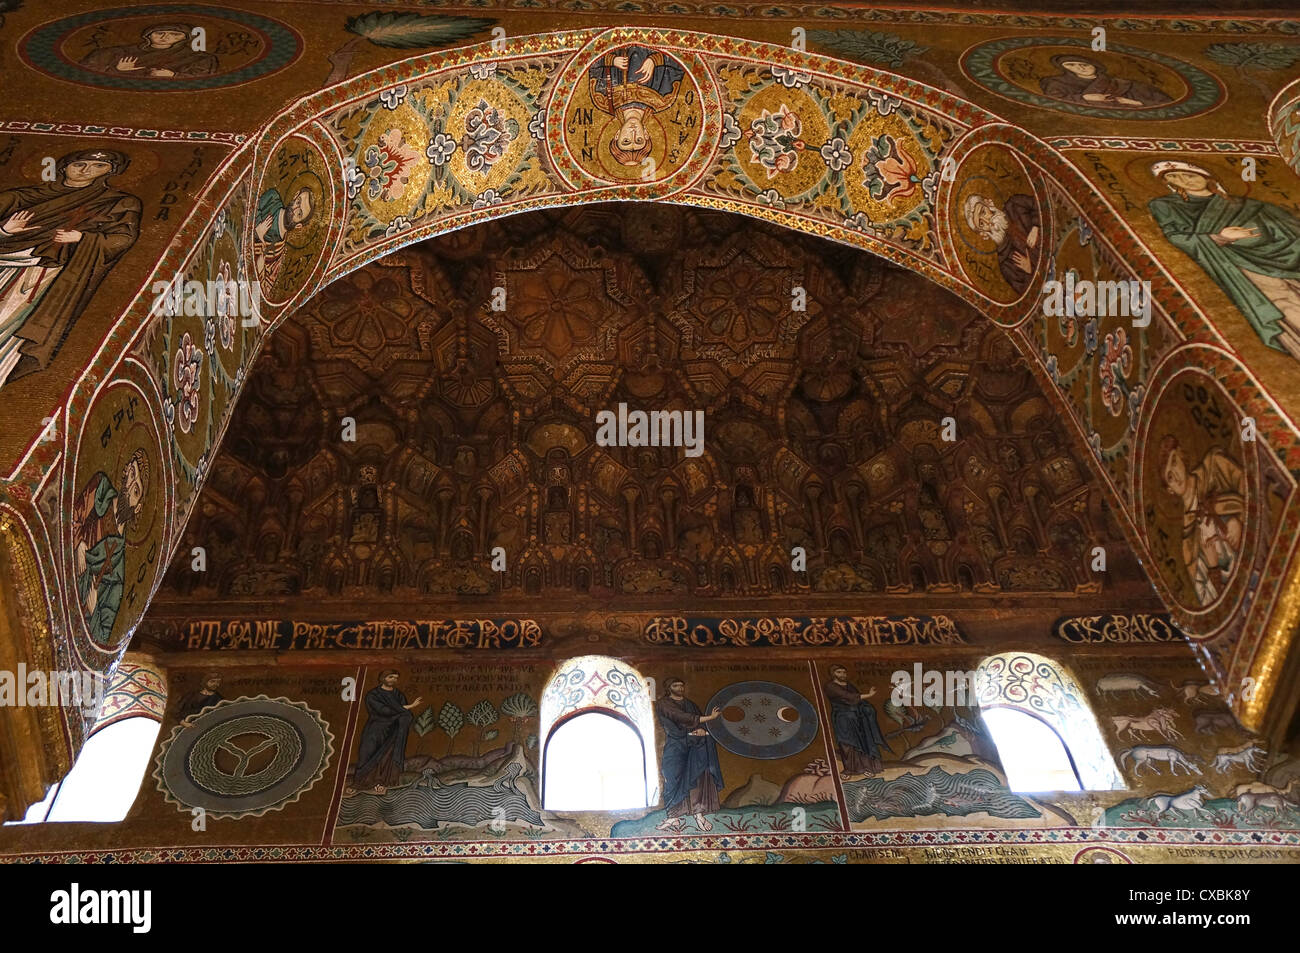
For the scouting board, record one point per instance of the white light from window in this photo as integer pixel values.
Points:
(594, 762)
(102, 785)
(1031, 753)
(36, 813)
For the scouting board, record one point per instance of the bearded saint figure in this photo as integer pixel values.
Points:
(1014, 229)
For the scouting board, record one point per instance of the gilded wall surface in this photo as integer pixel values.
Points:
(295, 143)
(285, 768)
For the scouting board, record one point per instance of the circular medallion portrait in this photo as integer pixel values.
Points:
(1196, 494)
(292, 214)
(171, 47)
(1067, 75)
(996, 225)
(118, 505)
(633, 115)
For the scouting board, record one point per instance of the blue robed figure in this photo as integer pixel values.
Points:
(690, 766)
(381, 756)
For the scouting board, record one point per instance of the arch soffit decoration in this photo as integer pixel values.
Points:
(548, 68)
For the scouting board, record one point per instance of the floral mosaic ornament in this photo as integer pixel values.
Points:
(208, 319)
(869, 161)
(1098, 362)
(435, 146)
(188, 364)
(774, 142)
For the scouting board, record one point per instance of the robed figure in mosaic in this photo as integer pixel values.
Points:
(630, 84)
(1084, 81)
(858, 740)
(101, 516)
(201, 699)
(381, 756)
(58, 241)
(690, 766)
(276, 220)
(1014, 229)
(164, 50)
(1250, 248)
(1213, 494)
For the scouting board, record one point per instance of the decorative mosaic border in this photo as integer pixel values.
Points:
(1257, 147)
(848, 840)
(121, 132)
(854, 13)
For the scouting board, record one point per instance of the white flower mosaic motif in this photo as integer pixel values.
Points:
(440, 149)
(353, 178)
(1135, 404)
(860, 221)
(790, 78)
(537, 125)
(837, 155)
(730, 131)
(771, 198)
(227, 306)
(167, 303)
(482, 70)
(396, 226)
(189, 360)
(884, 103)
(219, 223)
(930, 184)
(486, 199)
(392, 98)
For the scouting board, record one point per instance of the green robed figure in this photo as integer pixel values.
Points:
(275, 221)
(100, 519)
(1250, 248)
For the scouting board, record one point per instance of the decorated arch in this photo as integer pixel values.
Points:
(935, 182)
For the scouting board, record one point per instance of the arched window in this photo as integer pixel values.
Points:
(597, 726)
(1046, 734)
(594, 761)
(106, 777)
(1032, 754)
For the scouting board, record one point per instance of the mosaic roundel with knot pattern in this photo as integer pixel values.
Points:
(245, 757)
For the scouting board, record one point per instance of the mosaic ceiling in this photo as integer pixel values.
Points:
(824, 429)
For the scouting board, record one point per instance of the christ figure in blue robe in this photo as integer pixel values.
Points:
(381, 756)
(691, 770)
